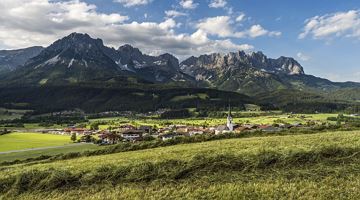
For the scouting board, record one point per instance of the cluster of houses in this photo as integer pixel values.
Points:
(132, 134)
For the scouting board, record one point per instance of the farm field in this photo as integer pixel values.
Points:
(312, 166)
(30, 127)
(8, 157)
(267, 119)
(19, 141)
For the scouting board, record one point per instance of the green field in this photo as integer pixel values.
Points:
(19, 141)
(8, 157)
(312, 166)
(267, 119)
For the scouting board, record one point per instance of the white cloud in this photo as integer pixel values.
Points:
(256, 31)
(130, 3)
(241, 17)
(303, 57)
(168, 24)
(222, 26)
(26, 23)
(217, 3)
(219, 26)
(188, 4)
(340, 24)
(174, 13)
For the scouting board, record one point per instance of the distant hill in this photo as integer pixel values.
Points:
(306, 102)
(92, 99)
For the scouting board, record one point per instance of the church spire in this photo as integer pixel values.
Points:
(229, 109)
(229, 123)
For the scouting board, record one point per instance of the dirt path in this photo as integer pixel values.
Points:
(42, 148)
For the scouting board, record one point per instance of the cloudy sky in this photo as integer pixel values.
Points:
(323, 35)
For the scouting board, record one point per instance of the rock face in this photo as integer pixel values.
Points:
(163, 68)
(256, 60)
(80, 58)
(243, 72)
(12, 59)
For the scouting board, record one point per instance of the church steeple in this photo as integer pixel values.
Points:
(229, 123)
(229, 114)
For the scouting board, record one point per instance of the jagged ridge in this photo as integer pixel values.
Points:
(78, 58)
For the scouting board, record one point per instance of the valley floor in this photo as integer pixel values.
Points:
(312, 166)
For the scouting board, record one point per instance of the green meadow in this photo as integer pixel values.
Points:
(19, 141)
(9, 157)
(312, 166)
(266, 119)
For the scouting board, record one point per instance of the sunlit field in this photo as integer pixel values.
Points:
(267, 119)
(19, 141)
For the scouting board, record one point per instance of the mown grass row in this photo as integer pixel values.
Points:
(124, 147)
(173, 170)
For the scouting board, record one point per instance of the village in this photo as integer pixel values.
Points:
(131, 133)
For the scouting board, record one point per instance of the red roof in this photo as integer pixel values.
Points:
(263, 126)
(75, 129)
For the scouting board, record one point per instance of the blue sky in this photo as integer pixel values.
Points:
(323, 35)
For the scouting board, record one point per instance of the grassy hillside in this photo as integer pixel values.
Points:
(351, 94)
(92, 99)
(308, 101)
(10, 114)
(316, 166)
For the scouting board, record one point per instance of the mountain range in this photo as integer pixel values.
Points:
(78, 59)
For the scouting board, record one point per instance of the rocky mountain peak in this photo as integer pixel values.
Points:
(74, 50)
(128, 49)
(172, 60)
(290, 65)
(241, 59)
(128, 53)
(76, 41)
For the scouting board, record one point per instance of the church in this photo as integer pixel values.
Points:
(229, 122)
(229, 127)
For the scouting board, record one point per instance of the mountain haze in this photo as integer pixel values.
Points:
(12, 59)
